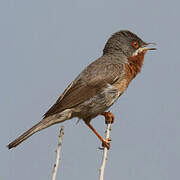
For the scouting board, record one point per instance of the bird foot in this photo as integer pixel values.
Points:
(109, 117)
(106, 143)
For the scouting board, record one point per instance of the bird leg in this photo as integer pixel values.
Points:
(109, 119)
(104, 142)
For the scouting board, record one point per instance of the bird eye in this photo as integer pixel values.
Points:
(135, 44)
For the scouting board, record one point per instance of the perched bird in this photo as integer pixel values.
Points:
(98, 86)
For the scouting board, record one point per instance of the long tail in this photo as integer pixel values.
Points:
(44, 123)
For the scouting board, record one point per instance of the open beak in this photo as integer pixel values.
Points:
(144, 48)
(149, 48)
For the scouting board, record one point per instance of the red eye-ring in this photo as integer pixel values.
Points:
(135, 44)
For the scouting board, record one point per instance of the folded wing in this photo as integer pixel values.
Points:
(90, 82)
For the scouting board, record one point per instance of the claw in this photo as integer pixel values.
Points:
(106, 144)
(109, 117)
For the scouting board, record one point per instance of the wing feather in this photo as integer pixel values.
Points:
(91, 81)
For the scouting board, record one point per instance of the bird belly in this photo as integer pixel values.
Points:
(97, 104)
(121, 85)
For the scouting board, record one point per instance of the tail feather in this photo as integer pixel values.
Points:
(25, 135)
(44, 123)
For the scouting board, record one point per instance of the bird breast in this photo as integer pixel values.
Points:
(134, 65)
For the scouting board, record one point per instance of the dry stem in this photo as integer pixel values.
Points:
(105, 150)
(58, 153)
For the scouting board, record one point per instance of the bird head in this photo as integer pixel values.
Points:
(127, 43)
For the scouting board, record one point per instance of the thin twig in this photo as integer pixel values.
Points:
(58, 153)
(104, 157)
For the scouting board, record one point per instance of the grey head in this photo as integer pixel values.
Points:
(124, 42)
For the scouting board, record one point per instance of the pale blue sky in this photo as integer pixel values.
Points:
(43, 47)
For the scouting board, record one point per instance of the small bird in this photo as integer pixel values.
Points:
(98, 86)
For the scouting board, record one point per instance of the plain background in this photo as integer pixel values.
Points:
(44, 45)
